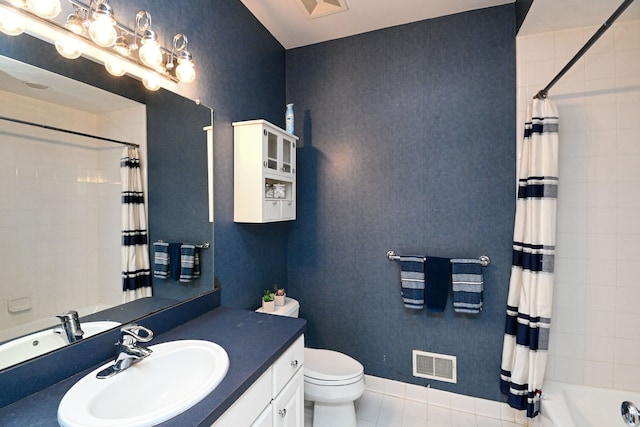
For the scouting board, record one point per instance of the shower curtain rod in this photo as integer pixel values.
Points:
(543, 93)
(72, 132)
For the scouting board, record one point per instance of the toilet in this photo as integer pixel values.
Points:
(333, 381)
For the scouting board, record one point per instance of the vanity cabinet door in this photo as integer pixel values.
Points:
(276, 398)
(287, 365)
(265, 419)
(250, 405)
(288, 407)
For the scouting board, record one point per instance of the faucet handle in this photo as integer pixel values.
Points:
(68, 316)
(134, 331)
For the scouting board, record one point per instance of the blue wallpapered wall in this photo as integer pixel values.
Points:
(407, 144)
(178, 194)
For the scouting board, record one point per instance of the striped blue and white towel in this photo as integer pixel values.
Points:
(189, 262)
(468, 285)
(161, 260)
(412, 281)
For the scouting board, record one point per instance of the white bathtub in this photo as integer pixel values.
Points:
(569, 405)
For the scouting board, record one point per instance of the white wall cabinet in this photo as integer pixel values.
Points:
(264, 172)
(276, 399)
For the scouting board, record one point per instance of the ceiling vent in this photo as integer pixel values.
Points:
(317, 8)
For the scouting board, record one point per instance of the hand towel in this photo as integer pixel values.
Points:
(161, 260)
(437, 278)
(412, 281)
(174, 261)
(468, 285)
(189, 262)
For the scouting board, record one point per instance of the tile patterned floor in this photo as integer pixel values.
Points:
(382, 410)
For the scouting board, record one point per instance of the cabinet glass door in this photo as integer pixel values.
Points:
(272, 151)
(287, 150)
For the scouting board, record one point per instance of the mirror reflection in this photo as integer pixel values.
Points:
(60, 217)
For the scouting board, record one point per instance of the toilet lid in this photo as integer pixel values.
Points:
(328, 365)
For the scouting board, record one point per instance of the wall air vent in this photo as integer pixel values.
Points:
(317, 8)
(434, 366)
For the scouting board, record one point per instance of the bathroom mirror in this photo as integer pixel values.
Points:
(36, 185)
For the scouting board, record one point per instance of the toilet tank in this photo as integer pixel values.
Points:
(291, 308)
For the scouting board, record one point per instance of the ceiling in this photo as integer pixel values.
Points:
(16, 77)
(551, 15)
(288, 23)
(286, 20)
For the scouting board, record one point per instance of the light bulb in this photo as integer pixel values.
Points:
(121, 46)
(68, 47)
(151, 82)
(11, 23)
(75, 24)
(45, 8)
(115, 67)
(102, 31)
(150, 53)
(185, 71)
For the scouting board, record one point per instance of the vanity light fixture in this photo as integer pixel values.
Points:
(47, 9)
(11, 23)
(185, 71)
(102, 28)
(115, 67)
(68, 47)
(93, 31)
(75, 22)
(121, 46)
(151, 82)
(150, 53)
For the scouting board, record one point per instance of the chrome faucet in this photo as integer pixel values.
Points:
(70, 326)
(128, 352)
(630, 414)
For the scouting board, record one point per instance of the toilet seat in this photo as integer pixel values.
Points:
(330, 368)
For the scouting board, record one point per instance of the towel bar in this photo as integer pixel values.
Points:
(484, 260)
(204, 245)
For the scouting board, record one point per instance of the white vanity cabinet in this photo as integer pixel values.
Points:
(276, 399)
(264, 172)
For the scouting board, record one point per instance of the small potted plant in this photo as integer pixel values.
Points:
(268, 303)
(280, 294)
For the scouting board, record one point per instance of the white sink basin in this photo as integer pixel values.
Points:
(176, 376)
(42, 342)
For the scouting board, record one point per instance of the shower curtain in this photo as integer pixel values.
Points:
(526, 338)
(136, 282)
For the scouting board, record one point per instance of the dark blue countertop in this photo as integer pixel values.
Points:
(252, 340)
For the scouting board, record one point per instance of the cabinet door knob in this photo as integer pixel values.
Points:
(265, 163)
(294, 363)
(282, 413)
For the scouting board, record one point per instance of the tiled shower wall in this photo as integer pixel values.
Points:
(596, 318)
(60, 212)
